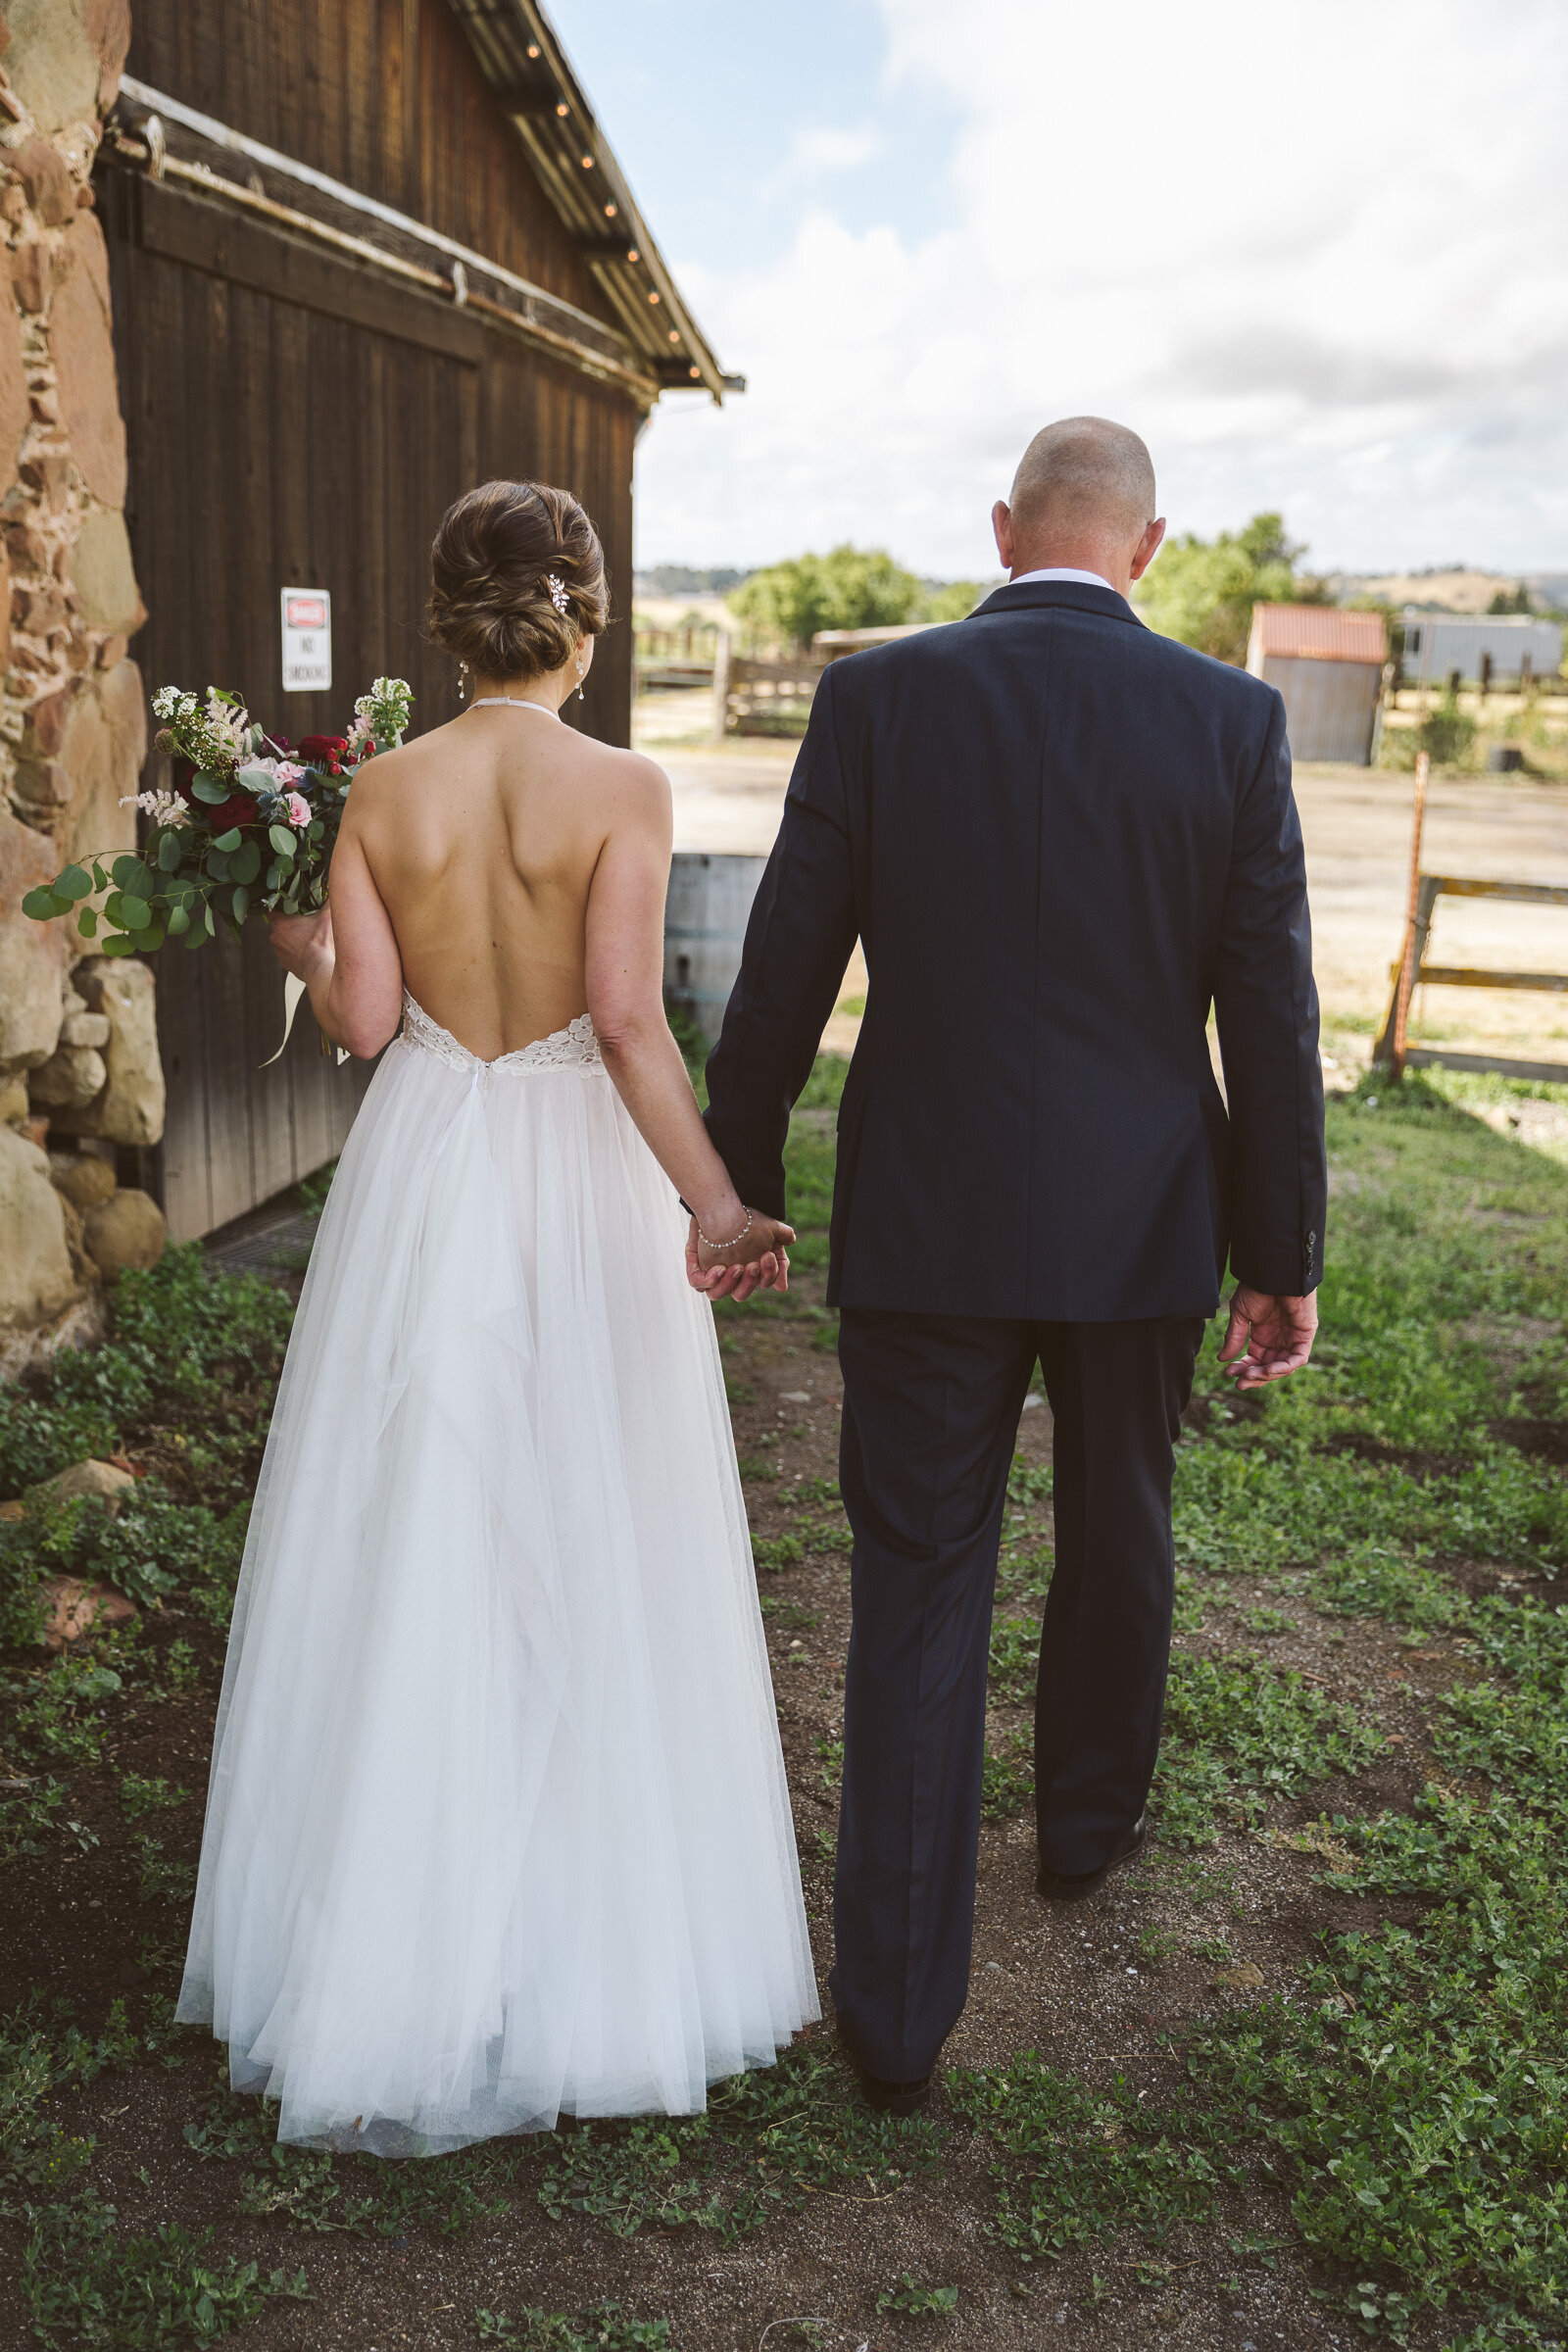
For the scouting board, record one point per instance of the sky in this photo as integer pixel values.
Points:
(1314, 251)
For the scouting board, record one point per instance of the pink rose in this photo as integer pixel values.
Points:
(287, 772)
(299, 809)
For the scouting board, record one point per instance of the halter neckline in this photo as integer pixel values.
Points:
(513, 702)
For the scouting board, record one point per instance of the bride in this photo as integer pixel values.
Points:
(497, 1825)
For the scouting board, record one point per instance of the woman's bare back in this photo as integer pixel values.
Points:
(482, 839)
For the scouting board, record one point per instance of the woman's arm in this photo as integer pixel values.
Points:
(625, 970)
(347, 956)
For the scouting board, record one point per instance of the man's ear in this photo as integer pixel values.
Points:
(1149, 547)
(1002, 525)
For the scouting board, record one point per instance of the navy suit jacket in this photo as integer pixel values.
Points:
(1060, 839)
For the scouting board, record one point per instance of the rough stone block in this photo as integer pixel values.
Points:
(102, 1482)
(103, 742)
(73, 1604)
(107, 25)
(131, 1109)
(125, 1230)
(14, 1103)
(30, 275)
(53, 65)
(82, 1180)
(84, 1029)
(46, 178)
(32, 955)
(73, 1077)
(13, 404)
(105, 575)
(36, 1276)
(81, 341)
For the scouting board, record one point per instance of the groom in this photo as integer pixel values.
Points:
(1061, 838)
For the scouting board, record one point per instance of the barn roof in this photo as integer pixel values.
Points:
(522, 58)
(1317, 633)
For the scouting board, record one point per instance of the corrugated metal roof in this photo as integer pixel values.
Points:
(1317, 633)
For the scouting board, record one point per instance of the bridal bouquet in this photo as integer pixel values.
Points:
(251, 825)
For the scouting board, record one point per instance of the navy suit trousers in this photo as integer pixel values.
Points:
(931, 1406)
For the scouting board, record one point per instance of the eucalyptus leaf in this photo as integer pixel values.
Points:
(100, 880)
(112, 911)
(42, 904)
(118, 944)
(274, 876)
(217, 865)
(72, 883)
(228, 841)
(149, 941)
(283, 841)
(258, 779)
(179, 921)
(204, 789)
(168, 849)
(127, 872)
(87, 923)
(246, 864)
(135, 912)
(241, 901)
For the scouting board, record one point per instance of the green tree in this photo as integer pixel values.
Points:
(1202, 591)
(949, 600)
(1512, 600)
(849, 588)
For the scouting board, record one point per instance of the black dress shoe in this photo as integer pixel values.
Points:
(1071, 1887)
(894, 2098)
(888, 2099)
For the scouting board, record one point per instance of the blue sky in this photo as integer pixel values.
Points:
(1317, 252)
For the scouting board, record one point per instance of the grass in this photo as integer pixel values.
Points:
(1398, 2092)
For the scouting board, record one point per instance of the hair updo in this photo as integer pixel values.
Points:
(491, 567)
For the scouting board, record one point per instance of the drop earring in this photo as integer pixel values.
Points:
(462, 677)
(580, 694)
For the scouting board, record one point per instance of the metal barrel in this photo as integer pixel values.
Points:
(706, 914)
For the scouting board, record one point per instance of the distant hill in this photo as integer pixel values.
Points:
(683, 579)
(1455, 588)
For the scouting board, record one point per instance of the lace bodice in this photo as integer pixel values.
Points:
(575, 1047)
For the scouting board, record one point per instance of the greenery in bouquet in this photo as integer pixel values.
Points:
(249, 826)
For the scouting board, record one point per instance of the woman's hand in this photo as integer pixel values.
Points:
(755, 1260)
(303, 944)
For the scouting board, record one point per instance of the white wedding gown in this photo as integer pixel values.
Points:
(497, 1825)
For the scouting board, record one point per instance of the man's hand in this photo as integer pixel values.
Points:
(765, 1266)
(1268, 1338)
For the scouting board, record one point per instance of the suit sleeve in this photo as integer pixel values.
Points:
(801, 932)
(1265, 1004)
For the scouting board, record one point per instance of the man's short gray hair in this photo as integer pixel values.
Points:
(1083, 472)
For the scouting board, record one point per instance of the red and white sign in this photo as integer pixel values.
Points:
(307, 640)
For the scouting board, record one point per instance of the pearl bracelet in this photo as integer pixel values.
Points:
(734, 1240)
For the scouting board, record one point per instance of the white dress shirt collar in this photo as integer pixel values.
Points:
(1063, 572)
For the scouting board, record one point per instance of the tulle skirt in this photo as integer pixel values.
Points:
(498, 1826)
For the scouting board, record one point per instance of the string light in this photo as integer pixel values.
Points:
(632, 254)
(696, 372)
(674, 334)
(533, 48)
(653, 295)
(609, 212)
(561, 107)
(587, 163)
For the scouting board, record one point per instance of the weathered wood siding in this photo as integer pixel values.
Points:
(295, 420)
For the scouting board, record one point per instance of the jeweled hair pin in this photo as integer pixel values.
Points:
(558, 590)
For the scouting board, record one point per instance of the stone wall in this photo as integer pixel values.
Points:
(78, 1061)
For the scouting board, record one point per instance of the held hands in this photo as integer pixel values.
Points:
(1268, 1338)
(757, 1261)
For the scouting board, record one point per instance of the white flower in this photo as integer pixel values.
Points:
(164, 808)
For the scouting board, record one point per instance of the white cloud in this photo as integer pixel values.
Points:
(818, 151)
(1317, 252)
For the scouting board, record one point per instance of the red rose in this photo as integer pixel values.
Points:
(321, 751)
(238, 810)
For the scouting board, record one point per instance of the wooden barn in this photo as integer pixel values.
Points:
(363, 255)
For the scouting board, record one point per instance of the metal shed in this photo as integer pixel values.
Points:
(1509, 644)
(1328, 666)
